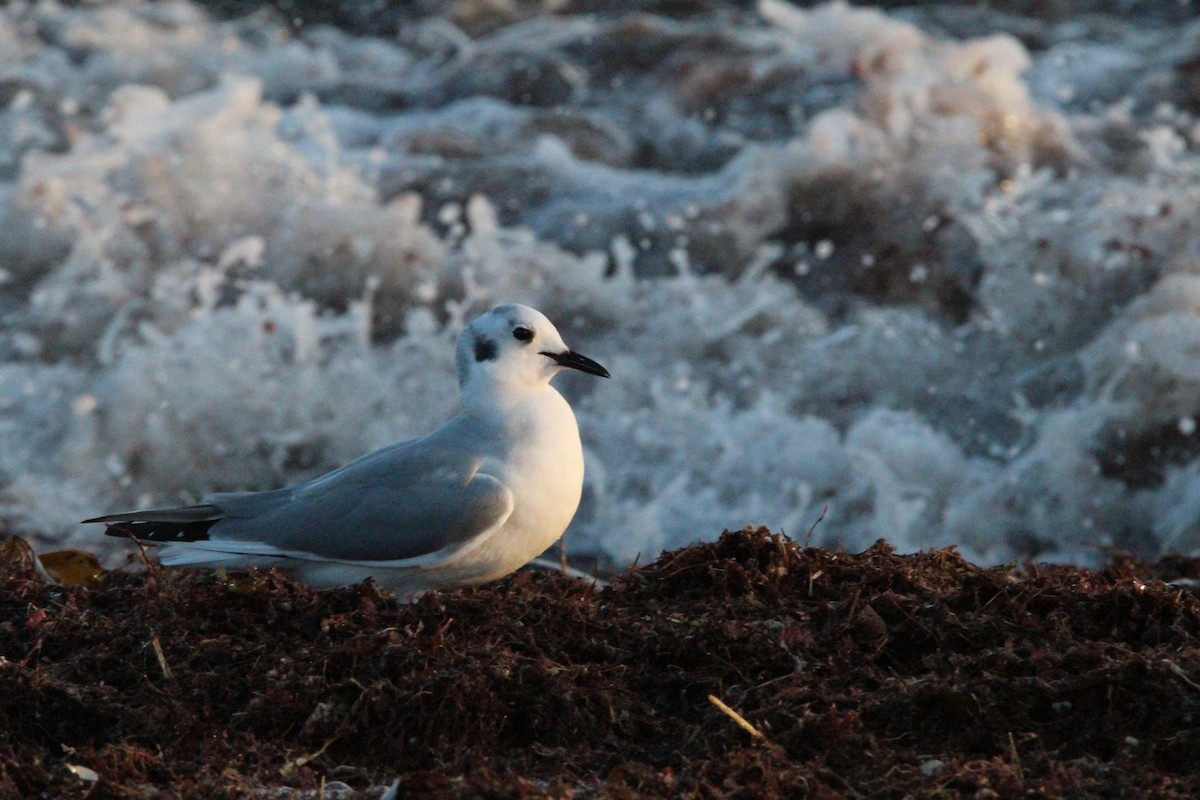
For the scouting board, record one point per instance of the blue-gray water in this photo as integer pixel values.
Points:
(936, 268)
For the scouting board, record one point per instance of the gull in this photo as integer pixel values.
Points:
(470, 502)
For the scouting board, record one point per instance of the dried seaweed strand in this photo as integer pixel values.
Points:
(736, 717)
(162, 658)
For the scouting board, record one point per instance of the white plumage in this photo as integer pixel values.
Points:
(472, 501)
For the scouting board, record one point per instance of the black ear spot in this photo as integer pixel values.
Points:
(522, 334)
(485, 349)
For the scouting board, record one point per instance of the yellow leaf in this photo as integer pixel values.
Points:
(71, 567)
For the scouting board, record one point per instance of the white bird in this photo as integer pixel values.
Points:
(472, 501)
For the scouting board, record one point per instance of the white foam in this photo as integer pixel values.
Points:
(940, 285)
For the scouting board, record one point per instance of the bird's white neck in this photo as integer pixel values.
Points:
(489, 398)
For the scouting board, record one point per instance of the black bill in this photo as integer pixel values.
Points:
(576, 361)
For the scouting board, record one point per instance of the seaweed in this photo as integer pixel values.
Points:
(746, 667)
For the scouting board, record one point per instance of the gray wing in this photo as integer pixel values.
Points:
(407, 501)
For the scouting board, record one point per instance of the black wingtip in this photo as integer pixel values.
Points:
(160, 532)
(119, 530)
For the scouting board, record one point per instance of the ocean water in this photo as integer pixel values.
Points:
(930, 272)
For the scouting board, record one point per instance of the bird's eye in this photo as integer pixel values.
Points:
(522, 334)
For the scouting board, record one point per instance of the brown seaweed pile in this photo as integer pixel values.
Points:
(746, 668)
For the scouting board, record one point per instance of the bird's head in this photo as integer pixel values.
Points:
(517, 346)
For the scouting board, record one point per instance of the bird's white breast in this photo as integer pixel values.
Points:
(543, 468)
